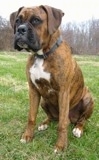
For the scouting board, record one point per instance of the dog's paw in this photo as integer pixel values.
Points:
(77, 132)
(23, 140)
(27, 136)
(56, 150)
(42, 127)
(26, 139)
(59, 149)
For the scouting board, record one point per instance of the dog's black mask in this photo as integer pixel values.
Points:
(26, 38)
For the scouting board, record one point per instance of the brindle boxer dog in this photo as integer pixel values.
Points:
(52, 73)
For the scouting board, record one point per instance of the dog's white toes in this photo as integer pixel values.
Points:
(55, 150)
(22, 140)
(42, 127)
(77, 132)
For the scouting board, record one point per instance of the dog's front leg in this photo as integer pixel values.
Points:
(63, 120)
(34, 104)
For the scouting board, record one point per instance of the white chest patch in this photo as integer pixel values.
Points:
(37, 71)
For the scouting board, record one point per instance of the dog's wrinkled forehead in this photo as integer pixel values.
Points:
(27, 13)
(50, 16)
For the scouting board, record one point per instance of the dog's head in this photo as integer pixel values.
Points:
(34, 26)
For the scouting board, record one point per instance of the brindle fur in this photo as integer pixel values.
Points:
(65, 98)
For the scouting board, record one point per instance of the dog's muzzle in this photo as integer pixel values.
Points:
(26, 38)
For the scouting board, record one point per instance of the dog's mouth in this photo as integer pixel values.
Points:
(22, 44)
(27, 40)
(25, 43)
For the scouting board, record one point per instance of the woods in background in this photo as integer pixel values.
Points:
(6, 35)
(82, 37)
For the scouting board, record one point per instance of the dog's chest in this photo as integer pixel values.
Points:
(37, 71)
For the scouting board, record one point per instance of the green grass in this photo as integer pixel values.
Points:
(14, 104)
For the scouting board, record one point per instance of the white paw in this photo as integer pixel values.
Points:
(42, 127)
(55, 150)
(22, 140)
(77, 132)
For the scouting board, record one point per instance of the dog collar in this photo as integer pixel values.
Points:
(55, 46)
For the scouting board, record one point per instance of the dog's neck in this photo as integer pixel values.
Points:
(54, 43)
(51, 41)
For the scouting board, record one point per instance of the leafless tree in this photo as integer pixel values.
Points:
(5, 35)
(83, 37)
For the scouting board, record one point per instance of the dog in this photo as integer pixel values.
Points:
(55, 79)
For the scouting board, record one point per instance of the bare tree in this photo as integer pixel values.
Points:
(5, 35)
(83, 37)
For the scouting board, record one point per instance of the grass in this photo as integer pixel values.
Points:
(14, 110)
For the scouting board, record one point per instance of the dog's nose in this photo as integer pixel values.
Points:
(22, 29)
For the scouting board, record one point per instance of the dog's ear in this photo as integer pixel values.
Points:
(54, 18)
(13, 17)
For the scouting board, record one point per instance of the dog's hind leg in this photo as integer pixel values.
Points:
(85, 111)
(44, 125)
(51, 115)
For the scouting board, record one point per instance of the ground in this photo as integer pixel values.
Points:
(14, 110)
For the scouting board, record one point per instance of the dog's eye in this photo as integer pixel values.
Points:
(36, 21)
(17, 21)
